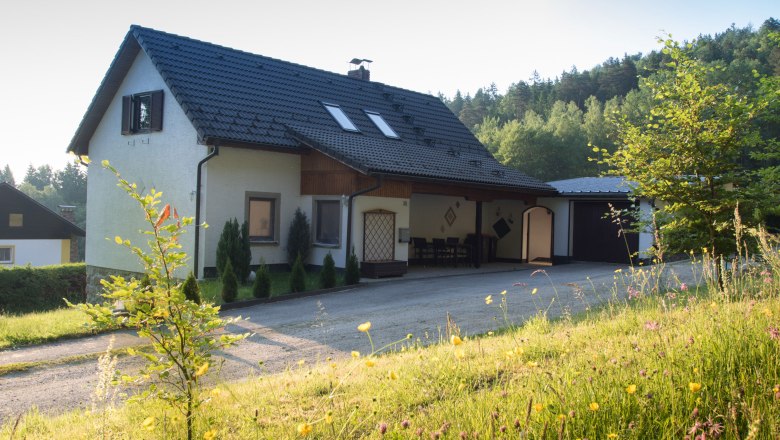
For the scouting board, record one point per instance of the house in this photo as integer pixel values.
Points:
(31, 233)
(225, 133)
(590, 223)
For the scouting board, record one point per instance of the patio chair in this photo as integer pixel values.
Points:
(462, 251)
(422, 250)
(442, 253)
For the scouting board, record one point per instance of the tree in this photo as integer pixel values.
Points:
(181, 333)
(229, 283)
(262, 286)
(7, 176)
(71, 184)
(352, 271)
(298, 238)
(191, 289)
(686, 153)
(328, 272)
(234, 246)
(40, 177)
(298, 276)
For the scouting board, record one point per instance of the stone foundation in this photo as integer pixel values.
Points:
(96, 273)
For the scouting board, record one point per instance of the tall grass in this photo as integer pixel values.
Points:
(35, 328)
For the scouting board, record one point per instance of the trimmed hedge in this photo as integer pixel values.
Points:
(25, 289)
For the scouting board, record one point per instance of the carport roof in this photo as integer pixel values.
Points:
(593, 186)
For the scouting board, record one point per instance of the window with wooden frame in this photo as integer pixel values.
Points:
(327, 222)
(142, 112)
(6, 255)
(262, 214)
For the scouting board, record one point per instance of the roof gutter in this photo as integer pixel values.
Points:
(214, 152)
(376, 186)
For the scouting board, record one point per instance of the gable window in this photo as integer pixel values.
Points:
(142, 112)
(382, 125)
(341, 118)
(327, 222)
(6, 255)
(262, 214)
(15, 220)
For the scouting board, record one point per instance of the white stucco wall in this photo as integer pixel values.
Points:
(37, 252)
(400, 207)
(164, 160)
(511, 245)
(318, 252)
(427, 217)
(561, 227)
(227, 179)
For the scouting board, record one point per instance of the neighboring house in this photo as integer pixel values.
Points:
(31, 233)
(225, 133)
(585, 228)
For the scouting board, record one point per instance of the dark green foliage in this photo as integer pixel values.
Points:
(299, 238)
(233, 245)
(352, 274)
(298, 276)
(229, 283)
(262, 286)
(7, 176)
(328, 273)
(191, 289)
(37, 289)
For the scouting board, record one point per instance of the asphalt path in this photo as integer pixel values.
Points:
(318, 327)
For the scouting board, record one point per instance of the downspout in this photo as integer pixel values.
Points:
(376, 186)
(214, 152)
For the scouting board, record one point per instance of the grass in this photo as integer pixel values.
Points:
(211, 290)
(35, 328)
(662, 365)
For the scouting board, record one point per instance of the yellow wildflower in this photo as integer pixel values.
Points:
(202, 370)
(301, 362)
(118, 239)
(631, 389)
(304, 429)
(694, 387)
(593, 406)
(612, 435)
(538, 407)
(329, 418)
(370, 363)
(503, 292)
(210, 435)
(392, 375)
(561, 417)
(355, 354)
(490, 333)
(532, 364)
(148, 423)
(364, 327)
(533, 292)
(489, 299)
(456, 340)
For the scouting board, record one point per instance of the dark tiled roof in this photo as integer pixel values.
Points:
(42, 222)
(234, 96)
(590, 186)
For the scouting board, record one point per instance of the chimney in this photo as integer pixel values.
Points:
(66, 211)
(360, 71)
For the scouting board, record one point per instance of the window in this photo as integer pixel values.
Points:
(6, 255)
(262, 214)
(340, 117)
(382, 125)
(327, 222)
(142, 112)
(15, 220)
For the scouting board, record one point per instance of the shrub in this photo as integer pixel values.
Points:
(328, 273)
(262, 286)
(229, 283)
(298, 276)
(299, 238)
(191, 289)
(234, 246)
(27, 289)
(352, 275)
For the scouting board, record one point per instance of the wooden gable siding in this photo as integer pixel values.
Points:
(321, 175)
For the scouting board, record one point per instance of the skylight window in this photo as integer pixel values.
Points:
(340, 117)
(382, 125)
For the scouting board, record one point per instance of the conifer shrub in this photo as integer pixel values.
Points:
(191, 289)
(299, 238)
(234, 245)
(229, 283)
(352, 274)
(328, 273)
(262, 286)
(298, 276)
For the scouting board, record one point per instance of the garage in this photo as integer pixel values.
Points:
(596, 237)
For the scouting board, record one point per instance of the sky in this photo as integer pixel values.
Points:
(55, 53)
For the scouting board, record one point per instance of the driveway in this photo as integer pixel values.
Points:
(317, 327)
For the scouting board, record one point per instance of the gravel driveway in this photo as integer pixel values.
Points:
(317, 327)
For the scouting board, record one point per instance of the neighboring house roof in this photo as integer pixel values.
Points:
(235, 97)
(593, 186)
(38, 222)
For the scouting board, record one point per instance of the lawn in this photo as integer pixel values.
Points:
(664, 364)
(35, 328)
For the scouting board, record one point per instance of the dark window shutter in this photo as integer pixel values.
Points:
(157, 110)
(127, 114)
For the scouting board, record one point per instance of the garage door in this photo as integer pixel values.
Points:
(596, 238)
